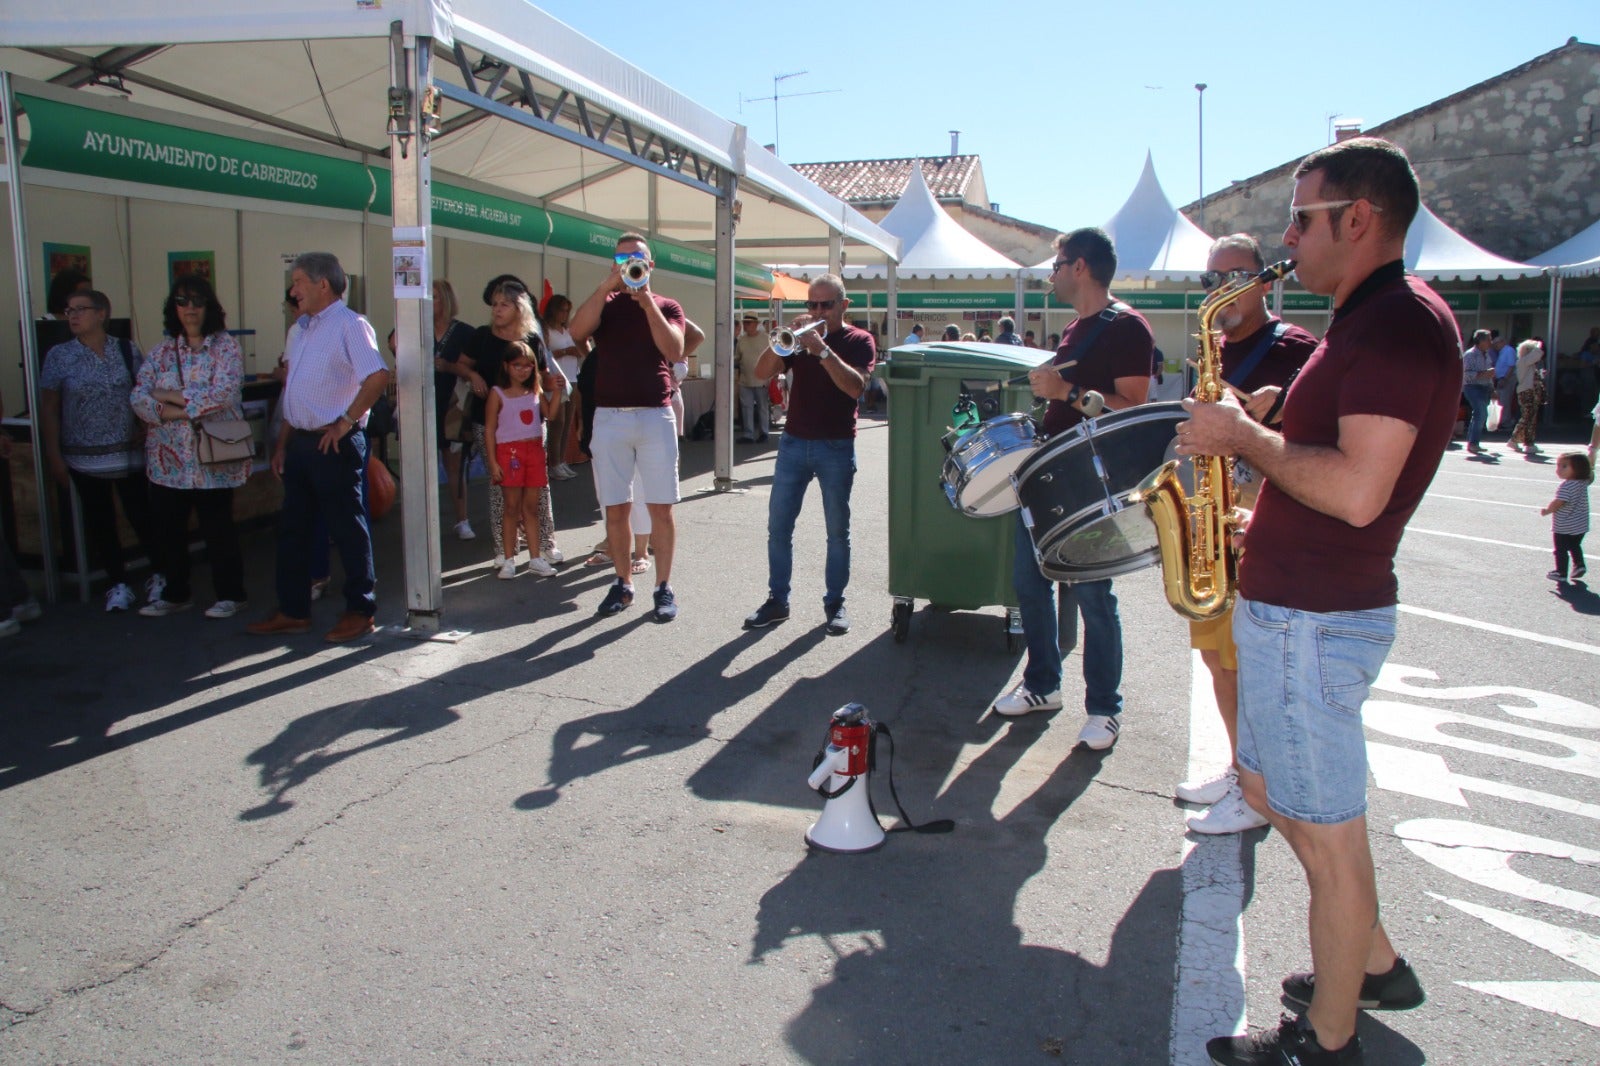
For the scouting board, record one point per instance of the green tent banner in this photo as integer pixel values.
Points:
(493, 216)
(84, 140)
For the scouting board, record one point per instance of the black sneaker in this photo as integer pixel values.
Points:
(774, 610)
(1398, 989)
(1292, 1043)
(838, 619)
(1579, 571)
(619, 597)
(666, 603)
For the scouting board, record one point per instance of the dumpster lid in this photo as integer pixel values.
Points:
(972, 355)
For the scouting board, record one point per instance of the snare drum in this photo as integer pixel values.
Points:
(977, 472)
(1077, 489)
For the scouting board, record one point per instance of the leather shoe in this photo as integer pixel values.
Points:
(278, 623)
(351, 624)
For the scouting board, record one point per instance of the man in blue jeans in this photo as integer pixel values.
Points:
(831, 365)
(1107, 349)
(1363, 429)
(1477, 385)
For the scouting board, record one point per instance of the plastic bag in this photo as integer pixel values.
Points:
(1492, 422)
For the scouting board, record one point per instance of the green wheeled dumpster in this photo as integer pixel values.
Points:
(955, 548)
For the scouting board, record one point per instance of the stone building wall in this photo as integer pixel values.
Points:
(1512, 163)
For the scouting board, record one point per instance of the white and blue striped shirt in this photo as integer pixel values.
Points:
(1574, 517)
(331, 354)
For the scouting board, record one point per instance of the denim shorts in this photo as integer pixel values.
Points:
(1303, 677)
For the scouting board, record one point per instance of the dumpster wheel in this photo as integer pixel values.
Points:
(900, 619)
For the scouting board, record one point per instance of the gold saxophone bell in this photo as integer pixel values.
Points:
(786, 341)
(636, 275)
(1194, 532)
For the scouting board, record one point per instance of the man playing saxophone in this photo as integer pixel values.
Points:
(1364, 427)
(1260, 353)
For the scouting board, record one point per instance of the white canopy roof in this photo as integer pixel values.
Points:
(1154, 240)
(1436, 252)
(1576, 256)
(934, 245)
(318, 70)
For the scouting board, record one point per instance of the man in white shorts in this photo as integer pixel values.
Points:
(637, 337)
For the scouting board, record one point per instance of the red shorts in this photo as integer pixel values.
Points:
(522, 464)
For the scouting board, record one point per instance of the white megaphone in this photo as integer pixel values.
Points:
(842, 776)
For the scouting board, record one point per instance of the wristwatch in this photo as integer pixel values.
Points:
(825, 354)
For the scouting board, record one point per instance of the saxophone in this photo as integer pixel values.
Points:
(1194, 534)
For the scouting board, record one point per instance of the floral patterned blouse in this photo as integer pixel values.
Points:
(212, 383)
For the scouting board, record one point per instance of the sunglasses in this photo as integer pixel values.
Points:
(1300, 214)
(820, 305)
(1059, 263)
(1214, 279)
(625, 257)
(188, 301)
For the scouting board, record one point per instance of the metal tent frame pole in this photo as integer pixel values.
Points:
(30, 345)
(722, 330)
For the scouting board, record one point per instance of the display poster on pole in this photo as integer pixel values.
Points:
(411, 274)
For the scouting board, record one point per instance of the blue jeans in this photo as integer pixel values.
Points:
(1303, 678)
(331, 486)
(1478, 400)
(1102, 631)
(833, 464)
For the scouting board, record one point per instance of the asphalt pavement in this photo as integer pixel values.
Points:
(567, 838)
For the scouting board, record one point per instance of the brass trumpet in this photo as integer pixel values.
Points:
(1195, 533)
(636, 275)
(786, 341)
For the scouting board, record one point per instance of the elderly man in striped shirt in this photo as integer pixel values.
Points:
(335, 375)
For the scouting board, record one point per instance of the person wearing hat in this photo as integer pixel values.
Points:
(753, 396)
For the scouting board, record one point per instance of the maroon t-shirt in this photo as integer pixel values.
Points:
(631, 370)
(1122, 350)
(1287, 355)
(819, 409)
(1392, 349)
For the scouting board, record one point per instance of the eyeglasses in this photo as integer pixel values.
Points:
(624, 257)
(1300, 214)
(1213, 279)
(1059, 263)
(821, 305)
(189, 301)
(79, 310)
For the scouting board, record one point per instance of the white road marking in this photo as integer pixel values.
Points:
(1478, 499)
(1479, 540)
(1209, 998)
(1499, 477)
(1505, 631)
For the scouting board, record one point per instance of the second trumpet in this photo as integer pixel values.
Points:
(786, 341)
(636, 274)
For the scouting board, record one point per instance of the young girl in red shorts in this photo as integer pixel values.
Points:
(514, 435)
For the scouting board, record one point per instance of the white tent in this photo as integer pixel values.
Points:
(1578, 256)
(523, 112)
(934, 245)
(1436, 252)
(1154, 240)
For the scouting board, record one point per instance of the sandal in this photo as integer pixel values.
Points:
(599, 558)
(640, 565)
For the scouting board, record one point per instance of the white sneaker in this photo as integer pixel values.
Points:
(563, 472)
(1230, 814)
(120, 598)
(507, 570)
(554, 556)
(1210, 789)
(464, 530)
(537, 565)
(154, 586)
(1020, 701)
(9, 627)
(28, 611)
(161, 608)
(1100, 731)
(225, 608)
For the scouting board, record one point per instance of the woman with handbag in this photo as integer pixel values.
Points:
(198, 447)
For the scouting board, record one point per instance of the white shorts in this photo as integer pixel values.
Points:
(629, 439)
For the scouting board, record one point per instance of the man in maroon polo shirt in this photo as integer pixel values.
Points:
(831, 369)
(1364, 427)
(637, 337)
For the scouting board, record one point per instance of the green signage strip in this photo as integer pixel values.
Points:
(84, 140)
(493, 216)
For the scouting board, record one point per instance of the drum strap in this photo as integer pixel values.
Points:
(1113, 311)
(1242, 373)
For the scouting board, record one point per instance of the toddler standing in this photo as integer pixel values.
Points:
(514, 436)
(1570, 514)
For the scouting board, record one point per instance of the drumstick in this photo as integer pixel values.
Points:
(1020, 378)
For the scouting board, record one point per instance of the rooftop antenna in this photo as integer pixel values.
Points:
(776, 96)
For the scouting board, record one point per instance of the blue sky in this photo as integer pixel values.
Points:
(1062, 99)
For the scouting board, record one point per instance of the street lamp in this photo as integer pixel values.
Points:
(1200, 90)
